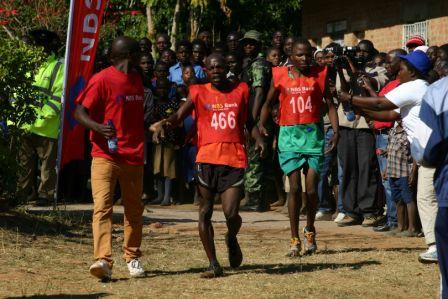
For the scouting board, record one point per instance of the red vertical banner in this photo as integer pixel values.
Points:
(85, 20)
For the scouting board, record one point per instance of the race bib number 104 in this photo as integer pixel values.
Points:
(299, 105)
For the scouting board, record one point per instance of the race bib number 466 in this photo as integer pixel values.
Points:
(222, 120)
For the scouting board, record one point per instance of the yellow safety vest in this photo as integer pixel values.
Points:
(48, 81)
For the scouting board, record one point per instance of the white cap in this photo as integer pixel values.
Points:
(422, 48)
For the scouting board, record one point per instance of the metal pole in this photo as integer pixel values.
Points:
(58, 194)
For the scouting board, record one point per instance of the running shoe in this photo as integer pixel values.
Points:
(234, 250)
(213, 271)
(135, 268)
(309, 242)
(339, 217)
(101, 269)
(429, 256)
(294, 248)
(323, 216)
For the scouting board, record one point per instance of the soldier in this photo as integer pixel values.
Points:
(257, 74)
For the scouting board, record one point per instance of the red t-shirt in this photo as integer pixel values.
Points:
(388, 87)
(220, 118)
(300, 98)
(111, 94)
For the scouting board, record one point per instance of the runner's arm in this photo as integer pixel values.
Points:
(158, 128)
(258, 101)
(266, 110)
(333, 116)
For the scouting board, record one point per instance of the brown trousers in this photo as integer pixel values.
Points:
(45, 149)
(105, 174)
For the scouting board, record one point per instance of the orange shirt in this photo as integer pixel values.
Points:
(225, 153)
(220, 118)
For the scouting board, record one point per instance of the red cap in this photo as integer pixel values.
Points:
(416, 40)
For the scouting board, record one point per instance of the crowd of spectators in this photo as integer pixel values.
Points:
(392, 147)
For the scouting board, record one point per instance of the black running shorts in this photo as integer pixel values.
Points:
(219, 178)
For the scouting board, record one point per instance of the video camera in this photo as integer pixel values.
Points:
(342, 53)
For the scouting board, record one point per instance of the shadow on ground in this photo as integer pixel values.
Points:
(369, 249)
(273, 269)
(62, 222)
(87, 296)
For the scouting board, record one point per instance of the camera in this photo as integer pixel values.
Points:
(341, 55)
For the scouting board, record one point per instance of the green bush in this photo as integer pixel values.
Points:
(18, 67)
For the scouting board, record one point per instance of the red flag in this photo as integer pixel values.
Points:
(82, 41)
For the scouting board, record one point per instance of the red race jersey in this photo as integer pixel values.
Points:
(220, 116)
(300, 98)
(113, 95)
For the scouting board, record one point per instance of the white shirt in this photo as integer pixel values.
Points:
(408, 98)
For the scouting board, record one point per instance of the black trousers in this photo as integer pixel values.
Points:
(356, 151)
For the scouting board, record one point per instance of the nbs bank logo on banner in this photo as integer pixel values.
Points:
(82, 41)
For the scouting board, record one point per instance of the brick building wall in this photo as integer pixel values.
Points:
(381, 21)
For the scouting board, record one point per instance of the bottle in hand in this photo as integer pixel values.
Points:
(112, 143)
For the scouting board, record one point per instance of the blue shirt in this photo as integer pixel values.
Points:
(176, 73)
(434, 113)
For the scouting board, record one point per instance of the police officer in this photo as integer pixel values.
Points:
(41, 138)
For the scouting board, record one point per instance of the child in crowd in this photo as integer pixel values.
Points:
(169, 57)
(273, 56)
(164, 154)
(147, 67)
(235, 66)
(189, 149)
(161, 71)
(400, 178)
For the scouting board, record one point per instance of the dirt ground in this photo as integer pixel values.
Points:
(47, 254)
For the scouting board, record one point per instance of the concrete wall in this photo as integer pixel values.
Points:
(380, 20)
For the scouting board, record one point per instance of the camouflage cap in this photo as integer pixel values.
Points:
(252, 34)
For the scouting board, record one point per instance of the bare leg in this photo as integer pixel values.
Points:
(312, 179)
(400, 216)
(230, 204)
(205, 226)
(294, 202)
(412, 216)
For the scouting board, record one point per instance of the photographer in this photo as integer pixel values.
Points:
(356, 149)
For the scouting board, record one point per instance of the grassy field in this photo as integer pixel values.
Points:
(47, 254)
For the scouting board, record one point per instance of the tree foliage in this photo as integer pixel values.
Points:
(18, 67)
(18, 17)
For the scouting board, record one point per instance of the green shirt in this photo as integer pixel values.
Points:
(257, 73)
(304, 139)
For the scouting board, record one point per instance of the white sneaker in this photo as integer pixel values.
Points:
(101, 269)
(429, 256)
(135, 268)
(339, 218)
(322, 216)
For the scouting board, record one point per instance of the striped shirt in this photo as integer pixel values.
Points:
(398, 153)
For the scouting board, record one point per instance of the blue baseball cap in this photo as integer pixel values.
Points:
(419, 60)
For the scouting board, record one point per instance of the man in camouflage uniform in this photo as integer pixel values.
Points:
(257, 74)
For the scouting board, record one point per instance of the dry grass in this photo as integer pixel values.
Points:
(50, 254)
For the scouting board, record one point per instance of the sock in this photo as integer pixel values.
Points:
(160, 189)
(168, 188)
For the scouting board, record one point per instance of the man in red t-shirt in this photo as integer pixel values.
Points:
(111, 106)
(382, 136)
(221, 110)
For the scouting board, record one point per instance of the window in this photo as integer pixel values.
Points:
(336, 31)
(419, 28)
